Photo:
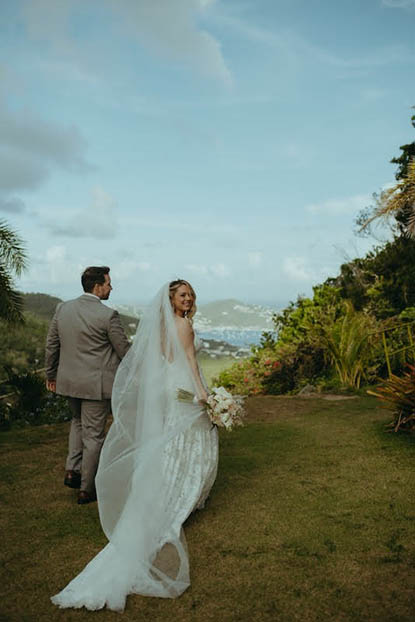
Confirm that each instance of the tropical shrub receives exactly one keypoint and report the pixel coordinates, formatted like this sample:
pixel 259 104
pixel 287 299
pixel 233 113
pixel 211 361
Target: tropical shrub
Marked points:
pixel 246 377
pixel 30 402
pixel 399 334
pixel 350 343
pixel 382 283
pixel 322 341
pixel 399 392
pixel 22 346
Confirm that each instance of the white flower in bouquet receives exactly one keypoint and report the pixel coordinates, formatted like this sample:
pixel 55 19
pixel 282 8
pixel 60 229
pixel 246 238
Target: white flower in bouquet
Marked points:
pixel 224 409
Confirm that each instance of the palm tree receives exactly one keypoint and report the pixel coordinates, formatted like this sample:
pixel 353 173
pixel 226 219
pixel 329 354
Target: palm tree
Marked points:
pixel 398 201
pixel 13 261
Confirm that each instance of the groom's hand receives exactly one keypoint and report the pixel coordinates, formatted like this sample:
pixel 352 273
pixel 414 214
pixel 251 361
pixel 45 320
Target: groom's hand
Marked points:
pixel 51 385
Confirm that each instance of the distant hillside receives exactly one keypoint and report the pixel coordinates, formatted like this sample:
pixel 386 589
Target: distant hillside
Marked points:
pixel 43 307
pixel 233 314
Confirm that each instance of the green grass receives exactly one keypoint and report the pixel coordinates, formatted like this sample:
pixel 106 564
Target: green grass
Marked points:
pixel 212 367
pixel 312 518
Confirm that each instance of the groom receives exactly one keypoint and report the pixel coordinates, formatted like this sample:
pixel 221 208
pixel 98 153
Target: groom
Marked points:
pixel 84 347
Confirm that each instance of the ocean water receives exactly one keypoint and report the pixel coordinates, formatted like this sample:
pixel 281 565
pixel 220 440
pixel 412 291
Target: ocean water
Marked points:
pixel 242 338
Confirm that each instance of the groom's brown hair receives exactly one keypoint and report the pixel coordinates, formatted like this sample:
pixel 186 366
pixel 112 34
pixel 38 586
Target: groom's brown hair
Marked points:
pixel 92 276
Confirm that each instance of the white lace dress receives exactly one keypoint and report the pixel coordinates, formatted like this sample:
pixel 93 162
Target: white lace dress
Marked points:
pixel 188 470
pixel 191 462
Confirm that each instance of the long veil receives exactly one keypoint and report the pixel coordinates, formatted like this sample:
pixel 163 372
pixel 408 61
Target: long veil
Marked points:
pixel 145 555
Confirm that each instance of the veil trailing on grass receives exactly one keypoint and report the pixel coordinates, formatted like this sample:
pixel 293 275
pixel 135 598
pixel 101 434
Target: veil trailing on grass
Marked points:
pixel 146 553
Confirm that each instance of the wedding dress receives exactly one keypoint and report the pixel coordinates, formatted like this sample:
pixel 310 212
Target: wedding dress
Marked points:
pixel 158 464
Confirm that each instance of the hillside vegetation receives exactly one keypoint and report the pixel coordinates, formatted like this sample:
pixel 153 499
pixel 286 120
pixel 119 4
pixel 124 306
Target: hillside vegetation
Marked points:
pixel 333 340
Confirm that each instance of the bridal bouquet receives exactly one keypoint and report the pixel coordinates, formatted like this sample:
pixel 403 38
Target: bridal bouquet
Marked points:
pixel 224 409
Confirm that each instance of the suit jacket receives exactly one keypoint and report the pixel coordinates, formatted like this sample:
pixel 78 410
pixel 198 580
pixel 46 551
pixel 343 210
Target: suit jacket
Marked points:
pixel 84 347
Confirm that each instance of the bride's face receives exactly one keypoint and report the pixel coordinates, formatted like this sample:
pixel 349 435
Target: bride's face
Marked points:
pixel 182 300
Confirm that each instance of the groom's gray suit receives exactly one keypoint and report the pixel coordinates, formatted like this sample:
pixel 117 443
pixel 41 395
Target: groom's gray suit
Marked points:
pixel 84 347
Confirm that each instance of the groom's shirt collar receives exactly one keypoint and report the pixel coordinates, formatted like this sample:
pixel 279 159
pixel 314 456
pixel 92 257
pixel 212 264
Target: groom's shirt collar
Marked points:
pixel 93 295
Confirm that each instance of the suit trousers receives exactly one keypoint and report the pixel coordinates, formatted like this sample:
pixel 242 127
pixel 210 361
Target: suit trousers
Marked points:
pixel 86 437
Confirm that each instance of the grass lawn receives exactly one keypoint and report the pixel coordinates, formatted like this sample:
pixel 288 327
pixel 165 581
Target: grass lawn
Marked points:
pixel 212 367
pixel 312 518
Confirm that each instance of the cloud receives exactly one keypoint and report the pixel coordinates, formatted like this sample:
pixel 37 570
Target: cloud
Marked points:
pixel 218 229
pixel 55 253
pixel 58 269
pixel 20 172
pixel 197 269
pixel 296 268
pixel 169 29
pixel 12 205
pixel 32 136
pixel 98 220
pixel 31 148
pixel 127 268
pixel 255 259
pixel 373 94
pixel 348 205
pixel 293 47
pixel 57 13
pixel 218 270
pixel 399 4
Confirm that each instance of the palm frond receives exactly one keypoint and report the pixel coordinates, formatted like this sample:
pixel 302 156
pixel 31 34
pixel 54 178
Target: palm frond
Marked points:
pixel 11 302
pixel 399 393
pixel 12 250
pixel 410 224
pixel 397 199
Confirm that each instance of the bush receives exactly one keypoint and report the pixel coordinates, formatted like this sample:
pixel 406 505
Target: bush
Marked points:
pixel 400 394
pixel 322 345
pixel 5 420
pixel 263 372
pixel 242 378
pixel 292 367
pixel 397 340
pixel 31 403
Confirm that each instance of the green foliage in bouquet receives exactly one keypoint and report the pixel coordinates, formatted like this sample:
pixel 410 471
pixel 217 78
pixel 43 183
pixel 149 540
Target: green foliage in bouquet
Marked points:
pixel 399 393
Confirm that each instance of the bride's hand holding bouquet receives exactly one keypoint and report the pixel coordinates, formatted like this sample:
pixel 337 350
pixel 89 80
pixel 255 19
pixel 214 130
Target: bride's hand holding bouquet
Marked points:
pixel 224 409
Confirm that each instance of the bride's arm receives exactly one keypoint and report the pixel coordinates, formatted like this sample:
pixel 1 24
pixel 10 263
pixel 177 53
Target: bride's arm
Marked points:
pixel 186 336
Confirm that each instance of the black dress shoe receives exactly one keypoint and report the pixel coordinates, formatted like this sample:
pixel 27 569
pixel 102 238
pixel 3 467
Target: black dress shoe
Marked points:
pixel 86 497
pixel 72 479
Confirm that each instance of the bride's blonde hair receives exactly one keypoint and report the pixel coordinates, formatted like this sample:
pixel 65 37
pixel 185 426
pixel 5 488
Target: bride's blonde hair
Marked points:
pixel 174 286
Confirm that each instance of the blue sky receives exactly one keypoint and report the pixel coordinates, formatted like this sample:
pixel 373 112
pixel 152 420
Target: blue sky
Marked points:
pixel 231 142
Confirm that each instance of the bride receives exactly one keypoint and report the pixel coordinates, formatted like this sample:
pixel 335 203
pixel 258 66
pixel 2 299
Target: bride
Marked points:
pixel 157 465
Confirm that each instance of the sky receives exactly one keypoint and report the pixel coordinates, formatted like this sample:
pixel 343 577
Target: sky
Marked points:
pixel 230 142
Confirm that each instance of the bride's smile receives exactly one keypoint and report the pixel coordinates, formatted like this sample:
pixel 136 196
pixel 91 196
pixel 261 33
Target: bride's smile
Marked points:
pixel 183 300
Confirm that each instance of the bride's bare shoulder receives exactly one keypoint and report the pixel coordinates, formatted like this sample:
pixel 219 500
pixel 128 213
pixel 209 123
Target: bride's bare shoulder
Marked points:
pixel 184 326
